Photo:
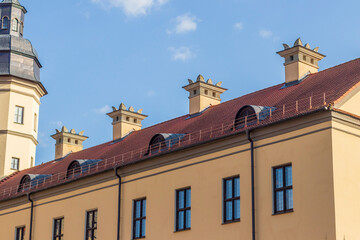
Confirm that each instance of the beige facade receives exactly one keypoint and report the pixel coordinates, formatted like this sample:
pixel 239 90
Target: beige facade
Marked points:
pixel 15 92
pixel 324 179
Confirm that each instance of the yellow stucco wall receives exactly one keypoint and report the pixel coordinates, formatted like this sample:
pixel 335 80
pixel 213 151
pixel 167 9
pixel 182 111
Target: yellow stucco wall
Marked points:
pixel 306 143
pixel 352 104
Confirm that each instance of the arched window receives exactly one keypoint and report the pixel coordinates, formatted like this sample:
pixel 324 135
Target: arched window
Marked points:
pixel 246 115
pixel 22 28
pixel 15 25
pixel 24 183
pixel 5 23
pixel 157 144
pixel 73 170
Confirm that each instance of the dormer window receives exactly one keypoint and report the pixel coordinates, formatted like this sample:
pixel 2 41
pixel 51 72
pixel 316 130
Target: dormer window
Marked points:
pixel 245 116
pixel 24 183
pixel 15 25
pixel 164 141
pixel 73 170
pixel 5 23
pixel 157 144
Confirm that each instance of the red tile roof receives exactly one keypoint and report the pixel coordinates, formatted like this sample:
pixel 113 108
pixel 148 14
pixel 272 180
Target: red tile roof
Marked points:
pixel 325 87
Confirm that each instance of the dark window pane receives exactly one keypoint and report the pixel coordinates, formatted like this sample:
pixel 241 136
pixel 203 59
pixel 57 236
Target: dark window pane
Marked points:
pixel 188 197
pixel 229 211
pixel 289 199
pixel 237 209
pixel 279 178
pixel 237 187
pixel 280 201
pixel 137 209
pixel 288 176
pixel 181 220
pixel 181 199
pixel 144 208
pixel 188 218
pixel 143 228
pixel 228 190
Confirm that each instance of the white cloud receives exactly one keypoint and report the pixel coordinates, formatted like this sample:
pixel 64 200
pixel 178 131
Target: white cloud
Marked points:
pixel 181 53
pixel 103 110
pixel 150 93
pixel 57 124
pixel 131 7
pixel 184 23
pixel 265 33
pixel 239 26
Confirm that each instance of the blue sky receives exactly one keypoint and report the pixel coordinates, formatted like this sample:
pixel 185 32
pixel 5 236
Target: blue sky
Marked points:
pixel 99 53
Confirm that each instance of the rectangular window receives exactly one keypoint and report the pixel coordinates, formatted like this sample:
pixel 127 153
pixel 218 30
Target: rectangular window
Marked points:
pixel 283 189
pixel 58 229
pixel 91 225
pixel 232 199
pixel 139 218
pixel 183 209
pixel 20 233
pixel 15 163
pixel 19 115
pixel 35 122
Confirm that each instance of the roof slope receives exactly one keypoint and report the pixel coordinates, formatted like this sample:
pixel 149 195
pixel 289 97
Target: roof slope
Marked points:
pixel 307 96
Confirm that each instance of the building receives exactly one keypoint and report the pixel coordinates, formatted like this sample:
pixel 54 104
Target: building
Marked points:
pixel 280 163
pixel 20 91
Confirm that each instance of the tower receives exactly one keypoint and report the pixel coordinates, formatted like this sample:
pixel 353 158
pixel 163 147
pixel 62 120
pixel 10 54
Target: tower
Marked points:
pixel 203 94
pixel 300 60
pixel 20 91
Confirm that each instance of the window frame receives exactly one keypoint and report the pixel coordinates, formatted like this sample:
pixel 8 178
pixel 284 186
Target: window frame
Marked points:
pixel 17 115
pixel 35 122
pixel 141 218
pixel 283 189
pixel 184 209
pixel 232 199
pixel 18 230
pixel 17 165
pixel 60 234
pixel 15 25
pixel 92 228
pixel 3 27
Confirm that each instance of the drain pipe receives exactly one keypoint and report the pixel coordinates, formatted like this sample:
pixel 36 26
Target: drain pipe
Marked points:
pixel 252 183
pixel 31 215
pixel 119 203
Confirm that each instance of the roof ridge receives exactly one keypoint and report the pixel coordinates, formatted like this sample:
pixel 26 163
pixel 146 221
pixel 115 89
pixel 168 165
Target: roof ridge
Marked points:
pixel 353 60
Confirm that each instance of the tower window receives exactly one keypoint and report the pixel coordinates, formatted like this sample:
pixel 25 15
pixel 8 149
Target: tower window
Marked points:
pixel 69 140
pixel 15 163
pixel 15 25
pixel 206 92
pixel 312 61
pixel 195 92
pixel 21 28
pixel 214 94
pixel 304 58
pixel 35 122
pixel 135 120
pixel 76 142
pixel 5 23
pixel 59 140
pixel 117 118
pixel 19 115
pixel 291 58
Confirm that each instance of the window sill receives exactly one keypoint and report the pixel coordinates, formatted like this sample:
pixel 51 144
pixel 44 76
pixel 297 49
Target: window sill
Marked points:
pixel 14 169
pixel 19 123
pixel 182 230
pixel 229 222
pixel 284 212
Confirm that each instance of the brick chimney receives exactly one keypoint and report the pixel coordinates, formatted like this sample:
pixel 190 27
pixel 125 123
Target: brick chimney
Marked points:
pixel 125 121
pixel 203 94
pixel 300 60
pixel 68 142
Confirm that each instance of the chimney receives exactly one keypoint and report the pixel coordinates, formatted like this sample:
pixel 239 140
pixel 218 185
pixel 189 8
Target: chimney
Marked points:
pixel 203 94
pixel 125 121
pixel 68 142
pixel 300 60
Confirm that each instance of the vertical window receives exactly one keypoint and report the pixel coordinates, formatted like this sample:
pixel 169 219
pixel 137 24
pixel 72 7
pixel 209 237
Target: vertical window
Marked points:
pixel 5 23
pixel 139 218
pixel 283 189
pixel 58 229
pixel 21 28
pixel 232 199
pixel 19 115
pixel 20 233
pixel 183 209
pixel 31 162
pixel 15 25
pixel 15 163
pixel 91 225
pixel 35 122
